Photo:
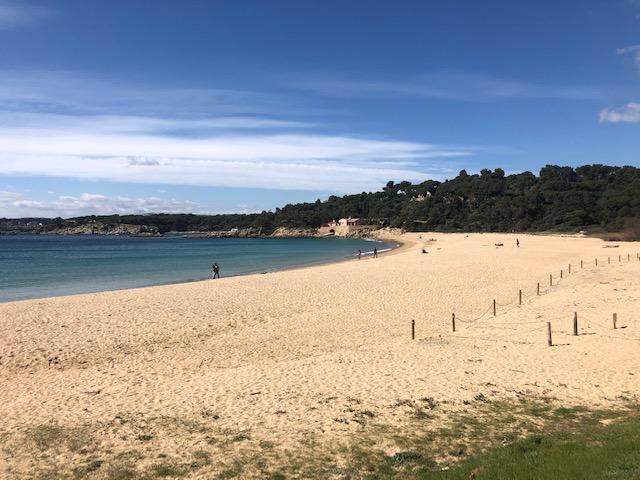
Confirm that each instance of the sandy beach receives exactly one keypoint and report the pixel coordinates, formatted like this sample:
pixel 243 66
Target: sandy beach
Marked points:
pixel 298 360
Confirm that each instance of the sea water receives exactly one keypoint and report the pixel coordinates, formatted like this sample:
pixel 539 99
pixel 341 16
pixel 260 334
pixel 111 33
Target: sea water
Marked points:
pixel 36 266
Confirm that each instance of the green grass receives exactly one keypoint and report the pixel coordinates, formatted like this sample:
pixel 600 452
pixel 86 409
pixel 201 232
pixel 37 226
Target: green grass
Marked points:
pixel 573 445
pixel 599 452
pixel 167 470
pixel 529 438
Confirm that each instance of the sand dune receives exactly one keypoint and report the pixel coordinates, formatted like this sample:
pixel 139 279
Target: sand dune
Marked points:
pixel 294 357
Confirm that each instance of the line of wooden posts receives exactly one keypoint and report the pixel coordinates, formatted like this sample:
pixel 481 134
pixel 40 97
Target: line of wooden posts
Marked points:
pixel 575 327
pixel 549 336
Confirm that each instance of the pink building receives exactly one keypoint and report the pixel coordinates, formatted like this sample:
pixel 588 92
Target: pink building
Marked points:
pixel 345 222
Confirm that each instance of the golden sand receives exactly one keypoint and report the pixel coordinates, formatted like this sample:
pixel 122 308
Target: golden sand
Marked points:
pixel 284 357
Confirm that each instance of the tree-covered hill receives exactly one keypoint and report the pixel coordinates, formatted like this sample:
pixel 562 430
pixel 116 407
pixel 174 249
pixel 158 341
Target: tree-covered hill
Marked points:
pixel 558 199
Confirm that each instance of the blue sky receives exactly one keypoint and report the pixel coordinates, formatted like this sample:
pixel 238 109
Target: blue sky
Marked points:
pixel 240 106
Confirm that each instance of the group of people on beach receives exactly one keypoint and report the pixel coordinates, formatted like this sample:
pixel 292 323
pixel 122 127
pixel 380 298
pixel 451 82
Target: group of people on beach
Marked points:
pixel 215 268
pixel 359 254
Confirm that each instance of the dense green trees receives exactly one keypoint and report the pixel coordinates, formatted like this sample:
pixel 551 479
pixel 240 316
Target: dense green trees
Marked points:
pixel 559 199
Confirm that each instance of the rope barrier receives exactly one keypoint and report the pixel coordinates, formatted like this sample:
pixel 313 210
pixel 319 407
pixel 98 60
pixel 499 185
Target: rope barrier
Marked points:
pixel 502 337
pixel 616 334
pixel 554 282
pixel 514 323
pixel 475 319
pixel 483 339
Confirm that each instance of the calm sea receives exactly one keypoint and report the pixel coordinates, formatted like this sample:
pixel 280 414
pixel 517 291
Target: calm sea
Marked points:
pixel 33 266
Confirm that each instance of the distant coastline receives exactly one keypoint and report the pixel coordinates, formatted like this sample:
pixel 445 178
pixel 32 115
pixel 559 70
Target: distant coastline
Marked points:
pixel 131 230
pixel 592 198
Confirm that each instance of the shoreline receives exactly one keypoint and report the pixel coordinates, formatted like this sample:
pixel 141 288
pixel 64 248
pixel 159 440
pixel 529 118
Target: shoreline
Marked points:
pixel 394 242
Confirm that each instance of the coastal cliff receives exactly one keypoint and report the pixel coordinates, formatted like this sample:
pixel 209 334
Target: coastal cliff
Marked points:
pixel 106 228
pixel 285 232
pixel 99 228
pixel 280 232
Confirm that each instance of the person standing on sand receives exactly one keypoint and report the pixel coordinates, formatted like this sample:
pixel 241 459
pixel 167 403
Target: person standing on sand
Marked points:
pixel 359 254
pixel 375 253
pixel 517 243
pixel 215 268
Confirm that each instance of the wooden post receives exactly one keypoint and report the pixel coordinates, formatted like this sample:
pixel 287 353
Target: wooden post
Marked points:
pixel 549 341
pixel 615 321
pixel 608 259
pixel 619 258
pixel 538 288
pixel 581 264
pixel 494 307
pixel 575 323
pixel 520 297
pixel 413 329
pixel 628 257
pixel 596 262
pixel 569 268
pixel 550 280
pixel 453 321
pixel 560 273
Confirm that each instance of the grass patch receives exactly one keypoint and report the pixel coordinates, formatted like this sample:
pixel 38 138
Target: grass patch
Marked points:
pixel 476 444
pixel 491 438
pixel 597 452
pixel 121 472
pixel 44 437
pixel 54 437
pixel 570 412
pixel 163 470
pixel 87 468
pixel 500 440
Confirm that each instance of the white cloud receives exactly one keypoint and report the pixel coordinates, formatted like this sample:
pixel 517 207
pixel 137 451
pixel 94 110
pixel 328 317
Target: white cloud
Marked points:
pixel 15 14
pixel 630 113
pixel 634 51
pixel 102 131
pixel 104 148
pixel 14 205
pixel 448 86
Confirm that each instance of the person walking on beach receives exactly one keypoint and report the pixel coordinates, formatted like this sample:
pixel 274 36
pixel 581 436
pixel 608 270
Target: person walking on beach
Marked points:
pixel 359 254
pixel 215 269
pixel 517 243
pixel 375 253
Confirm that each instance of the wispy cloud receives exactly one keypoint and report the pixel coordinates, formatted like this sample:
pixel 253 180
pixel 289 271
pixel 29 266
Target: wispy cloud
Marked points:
pixel 144 124
pixel 629 113
pixel 634 51
pixel 71 93
pixel 13 205
pixel 471 87
pixel 14 14
pixel 282 161
pixel 119 133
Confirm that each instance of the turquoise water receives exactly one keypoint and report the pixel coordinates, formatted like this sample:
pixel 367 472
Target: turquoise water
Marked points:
pixel 33 266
